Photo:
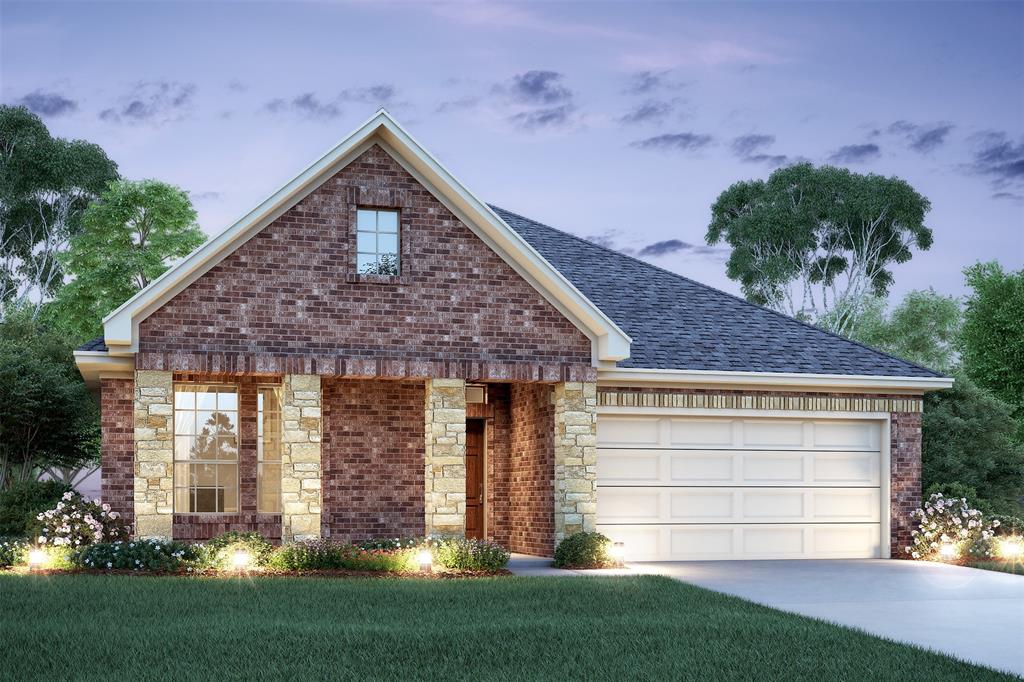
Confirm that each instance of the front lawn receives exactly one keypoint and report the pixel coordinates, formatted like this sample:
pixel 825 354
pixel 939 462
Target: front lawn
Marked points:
pixel 145 628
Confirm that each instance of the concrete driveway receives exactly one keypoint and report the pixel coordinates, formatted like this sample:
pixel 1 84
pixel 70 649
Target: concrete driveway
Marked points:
pixel 971 614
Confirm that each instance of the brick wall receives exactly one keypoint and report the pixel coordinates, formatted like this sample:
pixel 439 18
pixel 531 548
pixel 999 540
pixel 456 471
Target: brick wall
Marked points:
pixel 905 492
pixel 499 428
pixel 117 459
pixel 289 301
pixel 373 451
pixel 531 470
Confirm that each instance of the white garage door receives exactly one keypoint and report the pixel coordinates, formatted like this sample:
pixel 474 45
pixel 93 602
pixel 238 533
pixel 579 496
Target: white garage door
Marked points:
pixel 690 488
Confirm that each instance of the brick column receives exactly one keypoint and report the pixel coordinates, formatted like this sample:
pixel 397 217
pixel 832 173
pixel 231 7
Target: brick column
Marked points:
pixel 575 485
pixel 154 454
pixel 905 493
pixel 445 457
pixel 300 458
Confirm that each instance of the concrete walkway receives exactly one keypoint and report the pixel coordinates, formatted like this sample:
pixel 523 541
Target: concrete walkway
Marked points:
pixel 971 614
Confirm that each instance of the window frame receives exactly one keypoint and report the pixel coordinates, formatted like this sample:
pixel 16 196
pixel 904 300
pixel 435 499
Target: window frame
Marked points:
pixel 376 232
pixel 218 387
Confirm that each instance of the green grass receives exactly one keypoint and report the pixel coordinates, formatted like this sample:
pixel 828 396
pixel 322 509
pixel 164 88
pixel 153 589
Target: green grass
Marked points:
pixel 1016 567
pixel 139 628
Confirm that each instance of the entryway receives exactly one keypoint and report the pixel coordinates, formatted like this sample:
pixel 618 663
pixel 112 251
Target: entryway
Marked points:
pixel 475 478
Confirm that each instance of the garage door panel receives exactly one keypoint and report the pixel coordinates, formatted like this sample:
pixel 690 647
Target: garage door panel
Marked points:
pixel 772 433
pixel 750 541
pixel 772 468
pixel 701 433
pixel 847 468
pixel 628 431
pixel 845 435
pixel 630 467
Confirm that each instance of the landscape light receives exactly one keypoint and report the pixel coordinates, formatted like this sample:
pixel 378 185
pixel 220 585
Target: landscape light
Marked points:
pixel 948 551
pixel 617 552
pixel 36 559
pixel 1011 547
pixel 426 560
pixel 241 560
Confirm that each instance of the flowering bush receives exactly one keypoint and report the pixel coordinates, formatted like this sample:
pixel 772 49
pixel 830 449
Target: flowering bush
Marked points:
pixel 141 555
pixel 952 523
pixel 76 522
pixel 221 549
pixel 471 554
pixel 310 555
pixel 12 552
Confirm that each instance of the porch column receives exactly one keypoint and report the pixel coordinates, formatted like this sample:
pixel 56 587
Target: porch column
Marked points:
pixel 445 475
pixel 154 454
pixel 575 458
pixel 300 458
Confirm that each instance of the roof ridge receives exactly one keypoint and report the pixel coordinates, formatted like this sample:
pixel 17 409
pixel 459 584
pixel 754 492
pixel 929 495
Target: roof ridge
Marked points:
pixel 719 291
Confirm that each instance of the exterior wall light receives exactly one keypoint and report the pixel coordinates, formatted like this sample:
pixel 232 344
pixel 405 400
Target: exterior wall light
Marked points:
pixel 426 560
pixel 1011 548
pixel 241 560
pixel 36 559
pixel 617 552
pixel 948 551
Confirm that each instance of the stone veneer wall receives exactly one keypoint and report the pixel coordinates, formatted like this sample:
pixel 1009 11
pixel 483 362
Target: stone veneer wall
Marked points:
pixel 117 446
pixel 154 454
pixel 445 457
pixel 300 458
pixel 575 449
pixel 527 484
pixel 372 459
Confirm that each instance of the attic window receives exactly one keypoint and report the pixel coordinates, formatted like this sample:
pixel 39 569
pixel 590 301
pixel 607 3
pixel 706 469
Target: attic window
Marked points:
pixel 376 242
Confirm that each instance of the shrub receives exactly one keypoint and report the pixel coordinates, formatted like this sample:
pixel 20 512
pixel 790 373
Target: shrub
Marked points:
pixel 311 555
pixel 950 521
pixel 75 522
pixel 220 550
pixel 391 543
pixel 583 550
pixel 386 560
pixel 154 555
pixel 22 502
pixel 470 554
pixel 12 552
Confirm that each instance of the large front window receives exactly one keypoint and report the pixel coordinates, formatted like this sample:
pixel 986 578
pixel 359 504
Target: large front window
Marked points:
pixel 205 448
pixel 377 242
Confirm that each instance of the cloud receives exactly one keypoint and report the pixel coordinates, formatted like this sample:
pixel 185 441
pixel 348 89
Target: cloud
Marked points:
pixel 651 111
pixel 668 246
pixel 552 117
pixel 204 196
pixel 921 139
pixel 235 85
pixel 856 153
pixel 750 149
pixel 997 157
pixel 645 82
pixel 467 102
pixel 152 102
pixel 686 142
pixel 307 105
pixel 381 94
pixel 48 104
pixel 1009 196
pixel 538 88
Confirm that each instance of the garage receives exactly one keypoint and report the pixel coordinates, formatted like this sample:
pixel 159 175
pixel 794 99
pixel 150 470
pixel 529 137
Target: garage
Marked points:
pixel 684 488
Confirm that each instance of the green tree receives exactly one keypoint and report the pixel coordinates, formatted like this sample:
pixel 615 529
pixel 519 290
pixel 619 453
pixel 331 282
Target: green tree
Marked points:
pixel 968 438
pixel 992 340
pixel 45 185
pixel 813 241
pixel 127 239
pixel 924 328
pixel 48 420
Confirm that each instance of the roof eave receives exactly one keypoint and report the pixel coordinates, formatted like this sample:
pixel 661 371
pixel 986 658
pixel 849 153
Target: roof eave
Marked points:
pixel 619 376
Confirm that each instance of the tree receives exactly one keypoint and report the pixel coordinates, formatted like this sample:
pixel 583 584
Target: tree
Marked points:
pixel 127 239
pixel 992 341
pixel 48 419
pixel 45 185
pixel 968 438
pixel 924 328
pixel 813 241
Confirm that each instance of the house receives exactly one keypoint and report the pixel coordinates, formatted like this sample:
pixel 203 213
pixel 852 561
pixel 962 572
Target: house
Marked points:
pixel 373 351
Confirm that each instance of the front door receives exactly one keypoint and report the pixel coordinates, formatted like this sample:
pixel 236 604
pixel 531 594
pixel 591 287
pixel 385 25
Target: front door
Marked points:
pixel 474 478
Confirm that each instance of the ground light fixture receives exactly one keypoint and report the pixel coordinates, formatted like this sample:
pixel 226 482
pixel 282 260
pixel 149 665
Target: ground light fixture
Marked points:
pixel 426 560
pixel 241 560
pixel 36 559
pixel 948 551
pixel 618 553
pixel 1011 548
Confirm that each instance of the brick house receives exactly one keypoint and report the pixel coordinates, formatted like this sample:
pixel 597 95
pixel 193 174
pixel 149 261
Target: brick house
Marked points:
pixel 373 351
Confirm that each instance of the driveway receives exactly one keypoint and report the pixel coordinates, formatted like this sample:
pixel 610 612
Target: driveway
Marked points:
pixel 971 614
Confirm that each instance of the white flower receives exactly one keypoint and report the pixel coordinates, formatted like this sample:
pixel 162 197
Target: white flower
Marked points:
pixel 110 565
pixel 916 555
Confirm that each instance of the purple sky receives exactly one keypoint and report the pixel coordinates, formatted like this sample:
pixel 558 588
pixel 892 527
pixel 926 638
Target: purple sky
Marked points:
pixel 618 121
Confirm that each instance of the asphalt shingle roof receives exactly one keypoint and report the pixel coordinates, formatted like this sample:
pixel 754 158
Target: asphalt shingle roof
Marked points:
pixel 96 344
pixel 677 323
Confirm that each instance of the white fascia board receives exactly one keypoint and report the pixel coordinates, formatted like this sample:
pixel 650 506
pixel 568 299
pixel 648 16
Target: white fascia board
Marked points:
pixel 609 341
pixel 787 381
pixel 95 365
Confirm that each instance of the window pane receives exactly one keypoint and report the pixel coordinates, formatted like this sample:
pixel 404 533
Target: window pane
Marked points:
pixel 387 264
pixel 366 220
pixel 387 243
pixel 366 242
pixel 184 422
pixel 227 402
pixel 269 489
pixel 207 499
pixel 366 263
pixel 184 399
pixel 387 221
pixel 204 399
pixel 183 447
pixel 182 500
pixel 182 477
pixel 230 500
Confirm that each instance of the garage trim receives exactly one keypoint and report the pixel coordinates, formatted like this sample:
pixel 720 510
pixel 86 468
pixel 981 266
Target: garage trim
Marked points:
pixel 883 418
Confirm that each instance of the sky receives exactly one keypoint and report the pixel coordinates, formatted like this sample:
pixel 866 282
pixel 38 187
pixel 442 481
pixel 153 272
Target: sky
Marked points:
pixel 620 122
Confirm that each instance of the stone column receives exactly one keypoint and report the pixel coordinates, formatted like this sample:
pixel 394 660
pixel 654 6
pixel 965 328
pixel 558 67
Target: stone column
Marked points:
pixel 300 458
pixel 154 454
pixel 445 477
pixel 575 458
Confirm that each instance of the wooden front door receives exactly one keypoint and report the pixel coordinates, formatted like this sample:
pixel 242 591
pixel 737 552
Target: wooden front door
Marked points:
pixel 474 478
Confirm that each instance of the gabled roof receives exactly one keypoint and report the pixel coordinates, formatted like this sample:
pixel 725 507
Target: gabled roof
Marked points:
pixel 679 324
pixel 120 328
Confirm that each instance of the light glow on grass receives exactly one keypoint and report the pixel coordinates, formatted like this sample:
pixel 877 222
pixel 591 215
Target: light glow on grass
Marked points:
pixel 948 551
pixel 425 559
pixel 37 558
pixel 1011 548
pixel 241 560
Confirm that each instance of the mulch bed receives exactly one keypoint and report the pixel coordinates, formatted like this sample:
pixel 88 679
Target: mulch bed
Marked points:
pixel 440 574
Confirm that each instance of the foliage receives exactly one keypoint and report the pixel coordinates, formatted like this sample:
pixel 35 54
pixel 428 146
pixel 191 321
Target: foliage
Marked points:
pixel 968 438
pixel 221 549
pixel 309 555
pixel 45 185
pixel 127 239
pixel 583 550
pixel 48 418
pixel 388 561
pixel 950 521
pixel 154 555
pixel 992 340
pixel 12 551
pixel 75 521
pixel 470 554
pixel 809 241
pixel 924 328
pixel 23 501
